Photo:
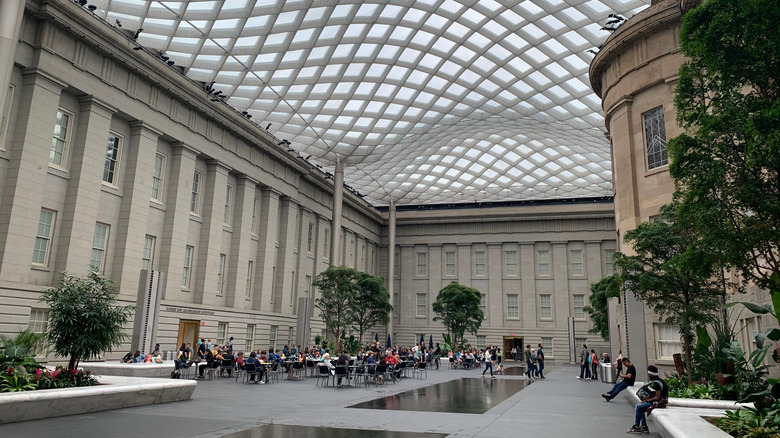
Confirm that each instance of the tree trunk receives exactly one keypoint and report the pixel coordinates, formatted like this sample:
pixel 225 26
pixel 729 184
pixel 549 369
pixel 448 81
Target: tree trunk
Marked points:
pixel 687 351
pixel 74 360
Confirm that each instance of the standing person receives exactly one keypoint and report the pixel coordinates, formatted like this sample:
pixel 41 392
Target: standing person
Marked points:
pixel 584 368
pixel 540 362
pixel 529 362
pixel 629 377
pixel 594 364
pixel 658 397
pixel 514 353
pixel 489 362
pixel 498 355
pixel 229 345
pixel 436 355
pixel 619 362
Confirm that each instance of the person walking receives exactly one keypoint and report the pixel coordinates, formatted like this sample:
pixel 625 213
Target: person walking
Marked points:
pixel 540 362
pixel 514 353
pixel 584 368
pixel 594 365
pixel 489 355
pixel 529 363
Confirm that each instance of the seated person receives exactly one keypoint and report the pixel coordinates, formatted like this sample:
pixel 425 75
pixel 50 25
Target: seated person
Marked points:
pixel 128 357
pixel 500 369
pixel 138 357
pixel 156 351
pixel 202 367
pixel 259 368
pixel 240 360
pixel 629 377
pixel 659 397
pixel 343 360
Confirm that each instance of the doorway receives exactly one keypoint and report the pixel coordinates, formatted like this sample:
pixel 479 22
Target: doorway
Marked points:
pixel 512 342
pixel 188 332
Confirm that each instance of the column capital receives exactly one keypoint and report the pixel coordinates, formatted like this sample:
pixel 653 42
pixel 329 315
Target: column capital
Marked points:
pixel 218 165
pixel 270 191
pixel 184 149
pixel 33 74
pixel 139 126
pixel 247 180
pixel 88 99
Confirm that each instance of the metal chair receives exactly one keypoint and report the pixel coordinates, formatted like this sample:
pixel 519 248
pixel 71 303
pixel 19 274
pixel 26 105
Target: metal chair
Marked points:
pixel 323 373
pixel 297 371
pixel 422 368
pixel 274 372
pixel 342 373
pixel 250 370
pixel 453 364
pixel 226 365
pixel 213 369
pixel 311 367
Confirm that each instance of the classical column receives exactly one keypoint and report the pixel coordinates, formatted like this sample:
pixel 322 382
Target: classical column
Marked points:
pixel 136 192
pixel 177 221
pixel 391 260
pixel 85 175
pixel 338 199
pixel 266 249
pixel 23 191
pixel 236 294
pixel 528 298
pixel 212 214
pixel 11 13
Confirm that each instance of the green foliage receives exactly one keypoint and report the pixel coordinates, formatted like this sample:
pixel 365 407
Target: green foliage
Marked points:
pixel 20 350
pixel 84 320
pixel 457 307
pixel 317 340
pixel 674 275
pixel 351 344
pixel 370 305
pixel 679 388
pixel 726 165
pixel 18 379
pixel 762 421
pixel 600 293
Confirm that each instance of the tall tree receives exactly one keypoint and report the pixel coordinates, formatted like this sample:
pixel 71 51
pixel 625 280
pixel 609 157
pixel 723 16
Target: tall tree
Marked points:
pixel 370 305
pixel 673 275
pixel 457 307
pixel 726 165
pixel 600 293
pixel 338 287
pixel 84 319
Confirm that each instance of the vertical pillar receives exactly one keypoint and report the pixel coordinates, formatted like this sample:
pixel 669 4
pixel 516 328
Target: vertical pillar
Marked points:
pixel 495 288
pixel 338 199
pixel 23 191
pixel 131 230
pixel 391 260
pixel 177 222
pixel 235 289
pixel 11 13
pixel 561 298
pixel 266 249
pixel 285 287
pixel 464 264
pixel 82 198
pixel 212 214
pixel 529 317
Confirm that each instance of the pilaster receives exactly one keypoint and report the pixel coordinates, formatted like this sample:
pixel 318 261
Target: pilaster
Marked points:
pixel 236 294
pixel 285 289
pixel 212 214
pixel 266 249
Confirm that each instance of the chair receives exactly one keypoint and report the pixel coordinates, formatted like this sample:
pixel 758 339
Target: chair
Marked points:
pixel 422 367
pixel 297 371
pixel 342 372
pixel 274 372
pixel 250 370
pixel 311 367
pixel 389 373
pixel 226 365
pixel 323 373
pixel 380 373
pixel 213 369
pixel 362 374
pixel 453 364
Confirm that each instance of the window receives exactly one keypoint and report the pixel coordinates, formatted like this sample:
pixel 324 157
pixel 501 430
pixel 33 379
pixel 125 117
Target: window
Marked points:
pixel 307 286
pixel 310 237
pixel 250 337
pixel 547 345
pixel 578 343
pixel 148 255
pixel 751 330
pixel 579 303
pixel 667 341
pixel 290 338
pixel 396 305
pixel 157 177
pixel 43 237
pixel 576 262
pixel 221 272
pixel 512 306
pixel 510 258
pixel 421 305
pixel 222 329
pixel 543 258
pixel 189 253
pixel 272 336
pixel 99 244
pixel 479 263
pixel 58 155
pixel 228 216
pixel 481 342
pixel 609 262
pixel 655 138
pixel 545 307
pixel 325 243
pixel 5 116
pixel 482 304
pixel 256 216
pixel 39 324
pixel 250 272
pixel 449 263
pixel 422 264
pixel 197 179
pixel 111 167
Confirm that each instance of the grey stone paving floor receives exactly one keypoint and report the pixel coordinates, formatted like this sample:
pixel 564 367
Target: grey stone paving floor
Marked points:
pixel 558 406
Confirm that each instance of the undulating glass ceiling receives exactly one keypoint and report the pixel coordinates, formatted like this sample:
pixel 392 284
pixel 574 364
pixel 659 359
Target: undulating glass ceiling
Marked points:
pixel 427 102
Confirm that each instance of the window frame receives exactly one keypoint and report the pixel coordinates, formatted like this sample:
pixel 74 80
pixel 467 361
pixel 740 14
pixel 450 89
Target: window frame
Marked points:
pixel 449 265
pixel 255 216
pixel 222 331
pixel 483 305
pixel 119 142
pixel 158 181
pixel 221 266
pixel 38 322
pixel 543 262
pixel 514 271
pixel 658 331
pixel 576 262
pixel 421 306
pixel 651 150
pixel 310 236
pixel 579 312
pixel 516 306
pixel 422 264
pixel 273 333
pixel 480 266
pixel 102 250
pixel 543 307
pixel 227 218
pixel 197 183
pixel 609 262
pixel 5 116
pixel 47 239
pixel 249 341
pixel 66 139
pixel 250 274
pixel 147 256
pixel 186 272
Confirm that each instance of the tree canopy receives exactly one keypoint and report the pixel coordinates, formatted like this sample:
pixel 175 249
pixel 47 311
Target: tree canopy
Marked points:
pixel 726 165
pixel 84 319
pixel 457 307
pixel 370 305
pixel 601 292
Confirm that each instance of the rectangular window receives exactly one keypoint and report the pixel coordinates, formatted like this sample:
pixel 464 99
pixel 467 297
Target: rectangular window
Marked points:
pixel 545 307
pixel 250 273
pixel 422 264
pixel 483 304
pixel 481 342
pixel 512 306
pixel 99 245
pixel 667 341
pixel 256 216
pixel 189 253
pixel 158 175
pixel 579 304
pixel 272 336
pixel 221 272
pixel 576 262
pixel 197 179
pixel 58 155
pixel 222 329
pixel 543 258
pixel 310 237
pixel 751 329
pixel 307 286
pixel 228 216
pixel 421 305
pixel 39 324
pixel 479 263
pixel 609 262
pixel 111 166
pixel 250 337
pixel 449 263
pixel 547 345
pixel 43 238
pixel 655 138
pixel 148 256
pixel 5 116
pixel 578 343
pixel 325 243
pixel 510 258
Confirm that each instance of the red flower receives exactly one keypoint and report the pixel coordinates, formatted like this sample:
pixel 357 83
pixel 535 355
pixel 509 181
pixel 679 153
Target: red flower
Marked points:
pixel 10 370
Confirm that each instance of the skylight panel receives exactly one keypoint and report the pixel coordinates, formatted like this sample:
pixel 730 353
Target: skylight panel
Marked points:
pixel 341 12
pixel 256 23
pixel 377 71
pixel 443 46
pixel 366 10
pixel 400 35
pixel 387 91
pixel 329 35
pixel 388 54
pixel 552 22
pixel 556 70
pixel 343 53
pixel 314 15
pixel 413 17
pixel 597 6
pixel 555 47
pixel 225 25
pixel 304 36
pixel 355 31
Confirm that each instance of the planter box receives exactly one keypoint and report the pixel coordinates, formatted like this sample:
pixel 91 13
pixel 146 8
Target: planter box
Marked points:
pixel 112 393
pixel 130 369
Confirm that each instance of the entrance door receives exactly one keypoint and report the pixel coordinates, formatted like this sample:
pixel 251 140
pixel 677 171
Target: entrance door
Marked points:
pixel 188 332
pixel 509 342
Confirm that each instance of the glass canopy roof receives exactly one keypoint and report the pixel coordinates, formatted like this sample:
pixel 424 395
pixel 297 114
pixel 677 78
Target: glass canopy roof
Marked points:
pixel 427 102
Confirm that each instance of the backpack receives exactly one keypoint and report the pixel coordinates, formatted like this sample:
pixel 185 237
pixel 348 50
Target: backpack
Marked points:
pixel 647 389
